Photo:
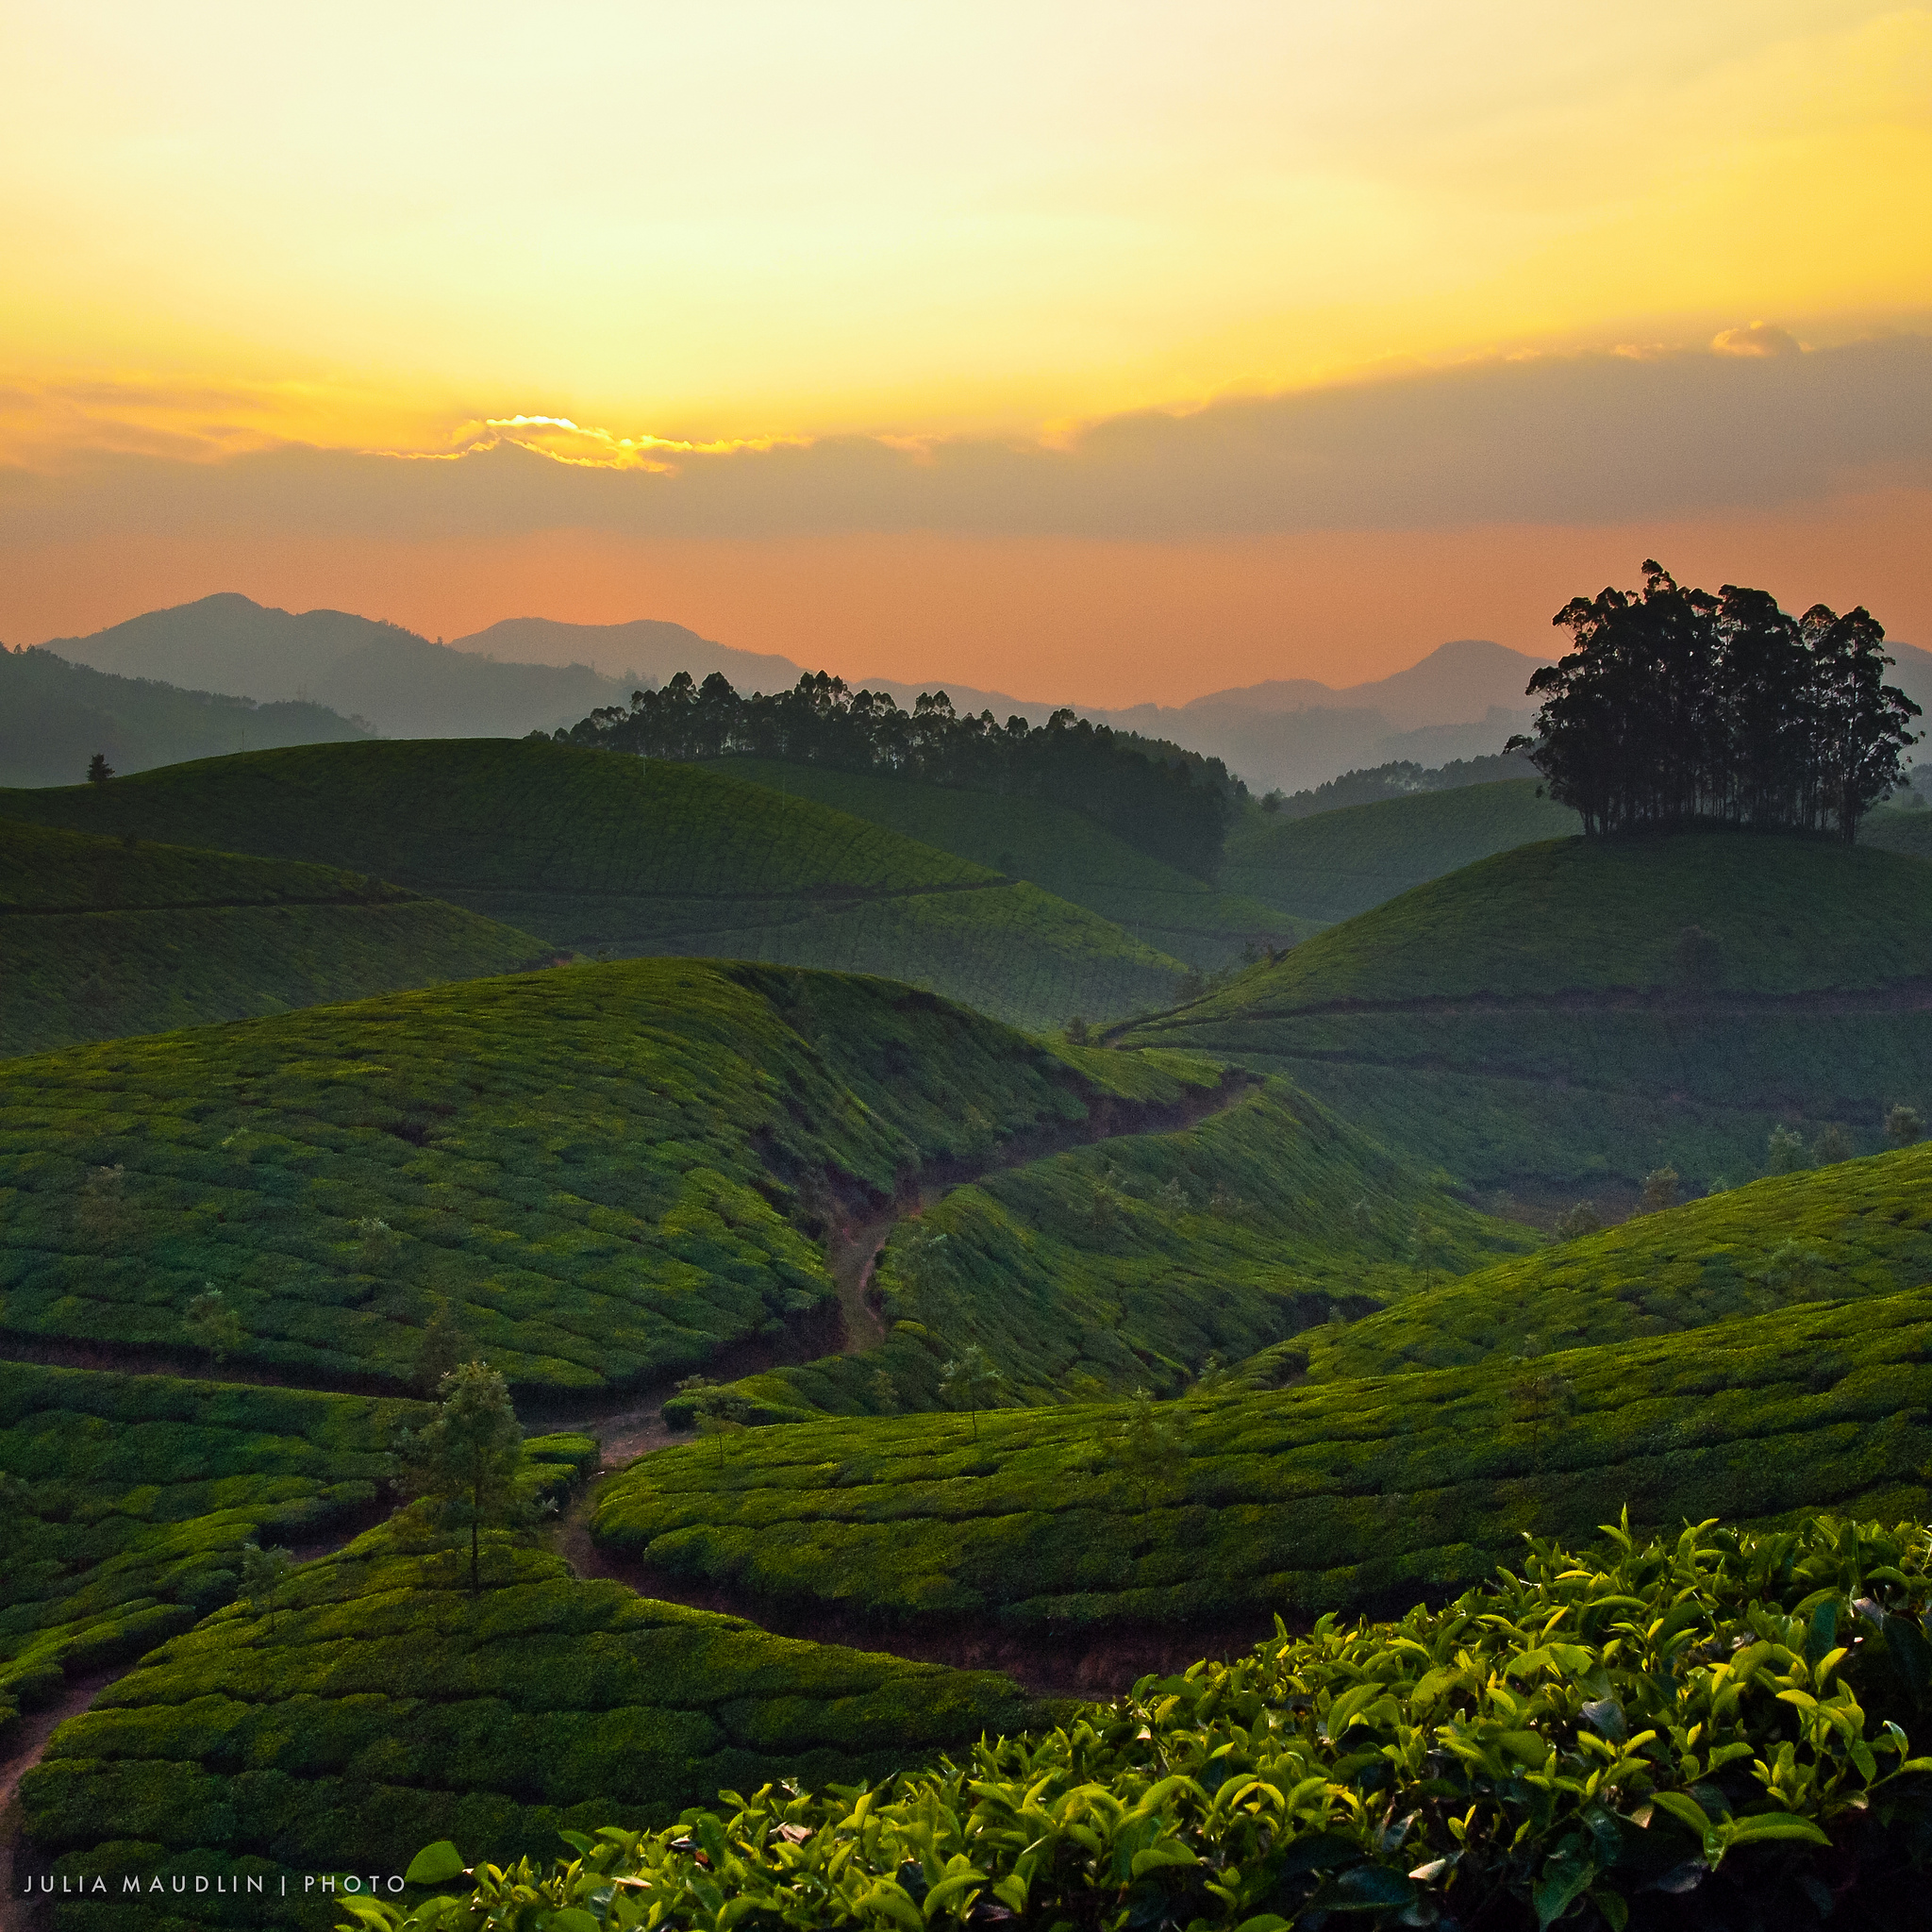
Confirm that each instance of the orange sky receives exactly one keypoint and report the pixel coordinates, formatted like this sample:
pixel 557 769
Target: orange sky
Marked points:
pixel 956 334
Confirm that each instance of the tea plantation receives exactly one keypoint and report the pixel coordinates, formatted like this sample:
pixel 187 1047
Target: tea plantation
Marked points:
pixel 131 1496
pixel 1853 1229
pixel 1577 1013
pixel 1335 864
pixel 599 852
pixel 1133 1263
pixel 610 1173
pixel 372 1704
pixel 1061 851
pixel 1341 1497
pixel 100 938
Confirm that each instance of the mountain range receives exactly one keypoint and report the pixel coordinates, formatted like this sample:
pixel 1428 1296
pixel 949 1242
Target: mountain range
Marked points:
pixel 1461 700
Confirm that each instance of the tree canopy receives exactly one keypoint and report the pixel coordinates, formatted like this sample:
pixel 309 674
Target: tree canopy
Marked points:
pixel 1677 707
pixel 1172 807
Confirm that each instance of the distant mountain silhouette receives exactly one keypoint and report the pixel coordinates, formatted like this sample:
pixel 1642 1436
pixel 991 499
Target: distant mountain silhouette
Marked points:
pixel 402 684
pixel 647 649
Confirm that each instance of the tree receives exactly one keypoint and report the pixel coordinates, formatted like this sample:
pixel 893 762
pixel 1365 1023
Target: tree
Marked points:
pixel 716 1411
pixel 1832 1146
pixel 440 1349
pixel 1784 1150
pixel 971 1377
pixel 1428 1247
pixel 1793 1272
pixel 1902 1126
pixel 1660 1190
pixel 1148 1445
pixel 99 770
pixel 885 1392
pixel 262 1573
pixel 1077 1029
pixel 466 1459
pixel 1538 1396
pixel 1574 1222
pixel 212 1324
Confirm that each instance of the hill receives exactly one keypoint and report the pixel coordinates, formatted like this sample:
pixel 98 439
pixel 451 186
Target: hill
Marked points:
pixel 1334 864
pixel 1839 1233
pixel 374 1705
pixel 1059 850
pixel 1136 1263
pixel 1893 829
pixel 611 1175
pixel 100 938
pixel 600 853
pixel 1220 1511
pixel 54 716
pixel 1572 1014
pixel 407 686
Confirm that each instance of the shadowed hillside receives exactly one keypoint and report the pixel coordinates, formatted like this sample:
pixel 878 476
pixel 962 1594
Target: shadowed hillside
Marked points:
pixel 599 852
pixel 101 938
pixel 1573 1014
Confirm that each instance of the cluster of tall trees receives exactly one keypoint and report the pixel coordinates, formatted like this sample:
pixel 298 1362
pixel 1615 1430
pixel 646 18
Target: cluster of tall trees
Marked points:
pixel 1169 808
pixel 1676 707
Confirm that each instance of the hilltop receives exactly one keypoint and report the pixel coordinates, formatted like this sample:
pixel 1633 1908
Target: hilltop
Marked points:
pixel 102 937
pixel 1057 848
pixel 601 853
pixel 1575 1013
pixel 609 1174
pixel 1333 864
pixel 54 716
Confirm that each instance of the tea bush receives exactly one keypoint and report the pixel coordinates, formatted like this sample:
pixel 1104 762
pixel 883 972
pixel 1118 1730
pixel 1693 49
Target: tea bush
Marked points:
pixel 1344 1497
pixel 1588 1737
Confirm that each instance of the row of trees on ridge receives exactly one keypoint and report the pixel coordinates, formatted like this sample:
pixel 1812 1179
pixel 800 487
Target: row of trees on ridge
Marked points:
pixel 1678 707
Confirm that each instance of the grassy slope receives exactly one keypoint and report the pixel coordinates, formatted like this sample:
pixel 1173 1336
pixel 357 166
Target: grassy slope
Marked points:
pixel 383 1707
pixel 1111 1267
pixel 595 1165
pixel 1524 1021
pixel 1897 830
pixel 1060 851
pixel 596 852
pixel 1337 863
pixel 142 1490
pixel 99 940
pixel 1341 1496
pixel 1858 1228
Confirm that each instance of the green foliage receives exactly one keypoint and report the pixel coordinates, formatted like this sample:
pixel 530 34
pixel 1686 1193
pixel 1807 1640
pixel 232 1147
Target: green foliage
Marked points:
pixel 604 854
pixel 264 1573
pixel 103 937
pixel 1525 1020
pixel 131 1502
pixel 592 1167
pixel 384 1707
pixel 1701 1712
pixel 1904 1125
pixel 214 1325
pixel 1857 1230
pixel 970 1382
pixel 1062 851
pixel 1784 1151
pixel 1574 1222
pixel 1339 863
pixel 1339 1495
pixel 465 1460
pixel 1660 1187
pixel 1103 1269
pixel 443 1347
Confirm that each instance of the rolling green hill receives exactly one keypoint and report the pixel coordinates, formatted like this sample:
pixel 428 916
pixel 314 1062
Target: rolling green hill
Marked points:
pixel 1061 851
pixel 1854 1229
pixel 100 939
pixel 611 1173
pixel 1344 1497
pixel 1567 1016
pixel 1895 829
pixel 1337 863
pixel 597 852
pixel 374 1705
pixel 1132 1263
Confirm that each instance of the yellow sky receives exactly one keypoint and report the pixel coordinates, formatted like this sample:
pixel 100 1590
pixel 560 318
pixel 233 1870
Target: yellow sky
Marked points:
pixel 369 225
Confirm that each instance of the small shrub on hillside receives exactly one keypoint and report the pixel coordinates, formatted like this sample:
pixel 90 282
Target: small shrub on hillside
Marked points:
pixel 1784 1150
pixel 1902 1126
pixel 1718 1713
pixel 1077 1030
pixel 1832 1146
pixel 212 1324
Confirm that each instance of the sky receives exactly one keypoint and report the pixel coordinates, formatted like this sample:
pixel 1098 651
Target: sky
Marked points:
pixel 1106 352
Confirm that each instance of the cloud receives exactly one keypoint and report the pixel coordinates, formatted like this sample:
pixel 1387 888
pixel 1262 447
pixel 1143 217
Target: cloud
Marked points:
pixel 1550 439
pixel 1761 338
